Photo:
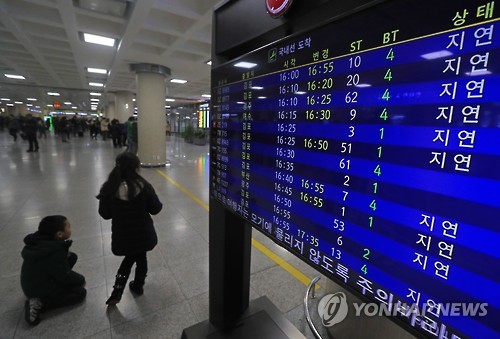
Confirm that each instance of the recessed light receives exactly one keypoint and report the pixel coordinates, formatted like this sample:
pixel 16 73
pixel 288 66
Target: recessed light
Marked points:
pixel 244 64
pixel 178 81
pixel 96 84
pixel 436 55
pixel 97 70
pixel 98 39
pixel 15 76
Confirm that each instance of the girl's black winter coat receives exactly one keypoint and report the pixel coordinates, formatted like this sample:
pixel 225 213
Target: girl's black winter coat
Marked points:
pixel 132 228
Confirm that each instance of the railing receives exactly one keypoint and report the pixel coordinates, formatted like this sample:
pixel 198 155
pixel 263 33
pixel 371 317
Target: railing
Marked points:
pixel 311 289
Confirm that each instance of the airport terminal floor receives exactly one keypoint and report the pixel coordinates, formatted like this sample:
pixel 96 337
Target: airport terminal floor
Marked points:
pixel 64 178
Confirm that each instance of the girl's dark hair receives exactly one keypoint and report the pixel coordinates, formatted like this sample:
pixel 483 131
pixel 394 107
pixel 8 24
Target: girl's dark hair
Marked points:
pixel 52 224
pixel 126 168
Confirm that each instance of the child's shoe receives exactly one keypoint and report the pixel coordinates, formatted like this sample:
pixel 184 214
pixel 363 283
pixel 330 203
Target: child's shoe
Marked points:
pixel 136 287
pixel 32 309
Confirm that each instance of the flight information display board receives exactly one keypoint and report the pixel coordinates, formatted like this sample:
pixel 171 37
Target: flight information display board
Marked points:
pixel 370 148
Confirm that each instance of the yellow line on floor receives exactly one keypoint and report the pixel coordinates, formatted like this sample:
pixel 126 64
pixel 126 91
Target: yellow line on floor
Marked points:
pixel 255 243
pixel 185 191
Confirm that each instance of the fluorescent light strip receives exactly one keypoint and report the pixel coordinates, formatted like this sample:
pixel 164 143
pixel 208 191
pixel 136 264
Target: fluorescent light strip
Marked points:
pixel 15 76
pixel 97 70
pixel 96 84
pixel 31 99
pixel 96 94
pixel 178 81
pixel 206 95
pixel 98 39
pixel 55 94
pixel 168 99
pixel 436 55
pixel 244 64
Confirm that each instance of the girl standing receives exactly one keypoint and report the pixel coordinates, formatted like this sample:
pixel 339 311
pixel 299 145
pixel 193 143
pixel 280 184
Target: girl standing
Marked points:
pixel 129 200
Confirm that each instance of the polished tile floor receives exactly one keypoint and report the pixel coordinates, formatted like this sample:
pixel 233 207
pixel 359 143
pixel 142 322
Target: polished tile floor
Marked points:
pixel 63 178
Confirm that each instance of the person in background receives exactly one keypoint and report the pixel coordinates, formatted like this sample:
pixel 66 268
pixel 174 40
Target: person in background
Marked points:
pixel 104 128
pixel 14 127
pixel 132 137
pixel 168 128
pixel 30 128
pixel 129 200
pixel 42 129
pixel 116 133
pixel 47 278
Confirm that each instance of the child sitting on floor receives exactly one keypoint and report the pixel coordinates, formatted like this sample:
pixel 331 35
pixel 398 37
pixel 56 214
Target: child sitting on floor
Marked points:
pixel 47 278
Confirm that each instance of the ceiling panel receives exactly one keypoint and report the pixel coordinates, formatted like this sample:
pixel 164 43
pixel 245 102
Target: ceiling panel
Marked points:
pixel 42 40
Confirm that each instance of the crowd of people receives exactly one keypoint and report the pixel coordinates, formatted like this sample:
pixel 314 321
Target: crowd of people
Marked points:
pixel 33 128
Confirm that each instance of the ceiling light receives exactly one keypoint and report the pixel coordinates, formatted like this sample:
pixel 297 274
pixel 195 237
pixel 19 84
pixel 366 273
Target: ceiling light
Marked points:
pixel 206 95
pixel 168 106
pixel 178 81
pixel 257 87
pixel 96 84
pixel 133 99
pixel 18 102
pixel 10 104
pixel 50 105
pixel 31 99
pixel 67 103
pixel 436 55
pixel 74 107
pixel 209 62
pixel 97 39
pixel 244 64
pixel 5 99
pixel 15 76
pixel 55 94
pixel 97 70
pixel 95 94
pixel 29 105
pixel 168 99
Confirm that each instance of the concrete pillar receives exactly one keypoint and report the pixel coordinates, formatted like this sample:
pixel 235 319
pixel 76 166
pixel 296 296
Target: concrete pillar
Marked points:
pixel 124 105
pixel 151 89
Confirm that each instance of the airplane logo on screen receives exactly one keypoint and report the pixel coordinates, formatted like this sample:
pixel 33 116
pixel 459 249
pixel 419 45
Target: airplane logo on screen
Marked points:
pixel 276 8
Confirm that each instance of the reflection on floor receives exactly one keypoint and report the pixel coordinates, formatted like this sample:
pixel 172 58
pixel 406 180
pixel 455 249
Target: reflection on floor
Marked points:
pixel 63 178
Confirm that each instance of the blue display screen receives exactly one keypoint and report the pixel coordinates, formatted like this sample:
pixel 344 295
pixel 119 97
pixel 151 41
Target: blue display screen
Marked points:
pixel 370 148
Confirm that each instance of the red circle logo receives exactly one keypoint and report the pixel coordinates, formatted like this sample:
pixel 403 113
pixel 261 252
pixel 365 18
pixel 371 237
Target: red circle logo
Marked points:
pixel 276 8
